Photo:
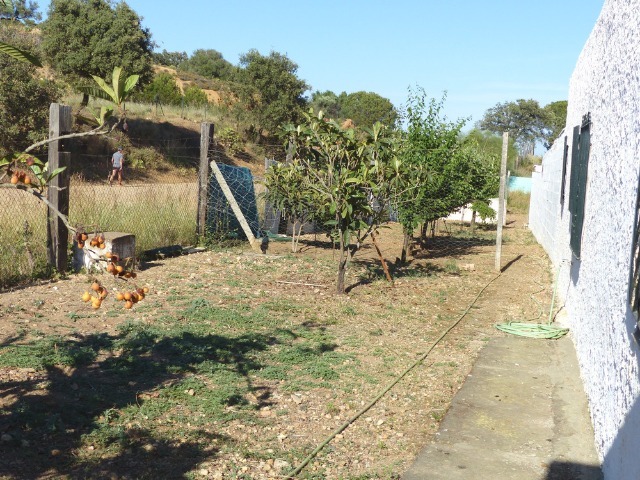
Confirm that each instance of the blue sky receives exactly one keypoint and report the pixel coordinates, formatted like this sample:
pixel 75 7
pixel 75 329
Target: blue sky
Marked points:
pixel 481 53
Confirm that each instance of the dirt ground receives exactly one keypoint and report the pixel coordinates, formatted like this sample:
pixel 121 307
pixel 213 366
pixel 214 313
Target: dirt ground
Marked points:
pixel 380 330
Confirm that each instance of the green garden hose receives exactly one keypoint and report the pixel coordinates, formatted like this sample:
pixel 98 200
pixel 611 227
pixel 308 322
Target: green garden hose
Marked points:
pixel 537 330
pixel 362 411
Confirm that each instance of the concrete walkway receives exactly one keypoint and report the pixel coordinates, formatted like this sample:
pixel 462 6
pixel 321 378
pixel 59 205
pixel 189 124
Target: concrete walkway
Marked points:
pixel 521 414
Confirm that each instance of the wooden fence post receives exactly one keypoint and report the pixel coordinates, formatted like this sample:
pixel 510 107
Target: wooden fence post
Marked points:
pixel 206 135
pixel 60 122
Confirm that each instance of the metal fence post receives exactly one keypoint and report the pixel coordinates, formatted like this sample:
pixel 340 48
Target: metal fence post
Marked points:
pixel 60 122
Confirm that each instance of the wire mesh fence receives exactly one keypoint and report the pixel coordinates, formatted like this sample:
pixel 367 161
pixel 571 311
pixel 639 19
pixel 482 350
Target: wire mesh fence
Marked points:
pixel 159 203
pixel 23 236
pixel 158 214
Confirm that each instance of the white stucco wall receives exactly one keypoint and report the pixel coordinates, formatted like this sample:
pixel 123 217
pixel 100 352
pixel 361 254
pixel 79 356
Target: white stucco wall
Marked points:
pixel 605 82
pixel 544 219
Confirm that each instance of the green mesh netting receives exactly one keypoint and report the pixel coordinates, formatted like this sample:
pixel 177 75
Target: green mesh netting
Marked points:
pixel 220 217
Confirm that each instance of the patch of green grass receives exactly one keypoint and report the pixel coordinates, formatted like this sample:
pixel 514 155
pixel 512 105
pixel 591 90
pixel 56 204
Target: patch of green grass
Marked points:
pixel 349 310
pixel 451 267
pixel 519 201
pixel 51 351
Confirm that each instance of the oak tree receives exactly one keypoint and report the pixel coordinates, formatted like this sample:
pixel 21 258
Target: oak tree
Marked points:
pixel 81 38
pixel 270 90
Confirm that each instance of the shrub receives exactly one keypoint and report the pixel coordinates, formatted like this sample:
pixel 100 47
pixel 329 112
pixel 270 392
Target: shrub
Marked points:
pixel 193 95
pixel 143 157
pixel 162 89
pixel 230 140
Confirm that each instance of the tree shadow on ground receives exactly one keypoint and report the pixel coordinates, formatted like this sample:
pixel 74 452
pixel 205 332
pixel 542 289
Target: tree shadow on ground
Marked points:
pixel 52 419
pixel 444 246
pixel 374 271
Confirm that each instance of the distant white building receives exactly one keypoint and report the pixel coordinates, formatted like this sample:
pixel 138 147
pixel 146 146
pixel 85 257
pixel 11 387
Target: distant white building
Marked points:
pixel 584 211
pixel 465 214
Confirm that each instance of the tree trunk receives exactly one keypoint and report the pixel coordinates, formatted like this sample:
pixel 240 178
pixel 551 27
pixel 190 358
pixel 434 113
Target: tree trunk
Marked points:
pixel 298 235
pixel 382 260
pixel 342 269
pixel 473 222
pixel 293 236
pixel 85 100
pixel 345 256
pixel 405 246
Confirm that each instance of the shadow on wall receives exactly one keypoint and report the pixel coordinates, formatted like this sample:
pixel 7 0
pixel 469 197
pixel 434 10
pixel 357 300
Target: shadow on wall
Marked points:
pixel 622 460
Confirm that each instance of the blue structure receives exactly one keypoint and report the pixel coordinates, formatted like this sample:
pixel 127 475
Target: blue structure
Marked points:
pixel 520 184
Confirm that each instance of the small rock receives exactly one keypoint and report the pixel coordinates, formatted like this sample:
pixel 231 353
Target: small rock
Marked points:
pixel 55 452
pixel 204 472
pixel 379 422
pixel 6 438
pixel 280 464
pixel 148 447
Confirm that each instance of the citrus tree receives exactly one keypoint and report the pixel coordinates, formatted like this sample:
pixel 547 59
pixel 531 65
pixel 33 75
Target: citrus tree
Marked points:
pixel 350 177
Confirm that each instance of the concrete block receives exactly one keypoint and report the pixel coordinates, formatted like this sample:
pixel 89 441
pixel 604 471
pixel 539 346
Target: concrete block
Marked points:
pixel 121 244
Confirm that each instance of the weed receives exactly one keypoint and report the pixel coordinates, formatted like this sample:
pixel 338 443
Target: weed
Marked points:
pixel 451 267
pixel 331 409
pixel 349 310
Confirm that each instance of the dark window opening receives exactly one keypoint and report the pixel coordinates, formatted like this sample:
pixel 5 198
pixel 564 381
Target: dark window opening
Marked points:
pixel 578 181
pixel 634 285
pixel 565 157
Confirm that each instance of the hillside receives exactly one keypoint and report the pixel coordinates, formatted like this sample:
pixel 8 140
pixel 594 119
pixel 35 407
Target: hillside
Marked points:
pixel 163 141
pixel 211 88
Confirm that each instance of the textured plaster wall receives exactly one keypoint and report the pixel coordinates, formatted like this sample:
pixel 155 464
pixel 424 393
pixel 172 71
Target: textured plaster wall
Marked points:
pixel 544 219
pixel 605 82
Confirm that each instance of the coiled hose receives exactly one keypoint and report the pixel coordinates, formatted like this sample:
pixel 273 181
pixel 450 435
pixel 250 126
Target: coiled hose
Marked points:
pixel 537 330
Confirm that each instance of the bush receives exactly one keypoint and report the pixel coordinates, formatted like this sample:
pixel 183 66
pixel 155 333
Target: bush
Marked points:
pixel 24 98
pixel 143 157
pixel 193 95
pixel 162 89
pixel 230 140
